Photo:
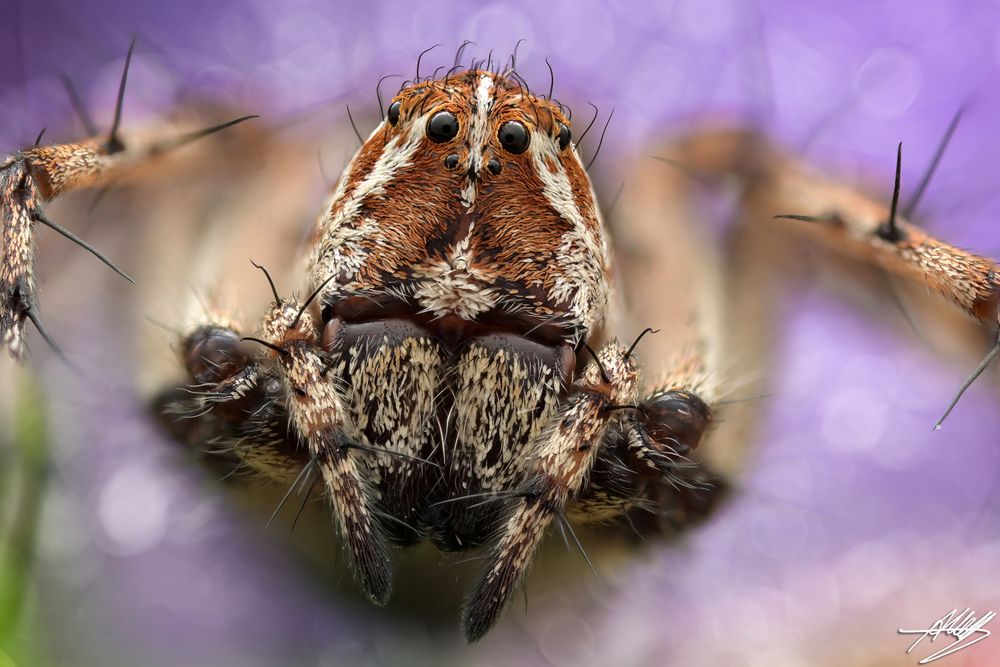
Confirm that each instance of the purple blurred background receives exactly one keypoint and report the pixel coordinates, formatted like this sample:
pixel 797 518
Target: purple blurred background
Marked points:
pixel 855 519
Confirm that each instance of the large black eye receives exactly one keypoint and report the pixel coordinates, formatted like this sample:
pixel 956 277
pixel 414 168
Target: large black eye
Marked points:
pixel 442 126
pixel 393 114
pixel 564 136
pixel 514 136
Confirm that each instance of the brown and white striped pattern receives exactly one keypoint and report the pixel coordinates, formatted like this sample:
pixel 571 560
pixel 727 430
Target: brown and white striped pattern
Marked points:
pixel 404 228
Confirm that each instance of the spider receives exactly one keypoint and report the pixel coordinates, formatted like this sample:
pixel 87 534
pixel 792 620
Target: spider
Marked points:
pixel 464 367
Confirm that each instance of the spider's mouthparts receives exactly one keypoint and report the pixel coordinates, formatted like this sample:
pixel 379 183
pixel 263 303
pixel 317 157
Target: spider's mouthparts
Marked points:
pixel 449 330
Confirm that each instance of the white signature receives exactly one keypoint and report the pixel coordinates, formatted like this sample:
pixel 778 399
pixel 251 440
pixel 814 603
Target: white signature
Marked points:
pixel 960 625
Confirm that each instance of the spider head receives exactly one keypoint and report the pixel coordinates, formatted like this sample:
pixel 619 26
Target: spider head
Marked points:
pixel 467 204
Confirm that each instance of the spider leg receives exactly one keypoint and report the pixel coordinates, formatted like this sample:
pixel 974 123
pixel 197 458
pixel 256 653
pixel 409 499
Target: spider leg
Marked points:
pixel 318 413
pixel 278 414
pixel 564 455
pixel 32 177
pixel 789 198
pixel 777 186
pixel 646 464
pixel 714 329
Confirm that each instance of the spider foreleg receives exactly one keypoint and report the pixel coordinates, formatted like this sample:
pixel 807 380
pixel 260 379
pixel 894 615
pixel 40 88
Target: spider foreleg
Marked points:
pixel 318 414
pixel 32 177
pixel 564 453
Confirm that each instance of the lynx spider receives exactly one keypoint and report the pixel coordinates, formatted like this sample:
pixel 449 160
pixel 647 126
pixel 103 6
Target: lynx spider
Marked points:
pixel 439 377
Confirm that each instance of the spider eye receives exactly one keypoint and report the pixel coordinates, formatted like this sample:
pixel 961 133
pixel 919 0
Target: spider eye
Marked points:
pixel 393 114
pixel 564 136
pixel 514 136
pixel 442 126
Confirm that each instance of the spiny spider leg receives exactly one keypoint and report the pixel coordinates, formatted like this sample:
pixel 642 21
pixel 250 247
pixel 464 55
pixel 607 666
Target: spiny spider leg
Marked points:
pixel 779 186
pixel 604 454
pixel 564 453
pixel 33 177
pixel 318 415
pixel 281 414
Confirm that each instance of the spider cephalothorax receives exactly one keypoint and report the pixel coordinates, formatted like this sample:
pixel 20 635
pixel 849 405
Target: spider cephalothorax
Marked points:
pixel 468 204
